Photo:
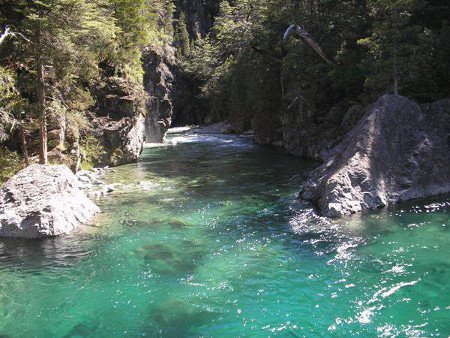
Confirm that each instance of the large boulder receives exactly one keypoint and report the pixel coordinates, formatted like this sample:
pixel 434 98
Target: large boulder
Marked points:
pixel 396 152
pixel 43 201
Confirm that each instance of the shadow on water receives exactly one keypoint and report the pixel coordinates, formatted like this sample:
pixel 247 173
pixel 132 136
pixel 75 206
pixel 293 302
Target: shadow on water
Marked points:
pixel 208 166
pixel 40 253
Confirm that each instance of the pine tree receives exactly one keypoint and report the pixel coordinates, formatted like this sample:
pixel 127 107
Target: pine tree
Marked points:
pixel 137 22
pixel 393 41
pixel 182 39
pixel 60 38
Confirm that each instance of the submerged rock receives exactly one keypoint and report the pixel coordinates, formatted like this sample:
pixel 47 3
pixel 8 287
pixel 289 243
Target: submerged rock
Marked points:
pixel 175 317
pixel 170 260
pixel 43 201
pixel 397 152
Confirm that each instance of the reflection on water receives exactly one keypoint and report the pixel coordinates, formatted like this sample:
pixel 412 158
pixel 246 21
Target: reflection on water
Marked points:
pixel 204 237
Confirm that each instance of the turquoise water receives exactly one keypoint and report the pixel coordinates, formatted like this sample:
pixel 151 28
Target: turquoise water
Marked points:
pixel 204 238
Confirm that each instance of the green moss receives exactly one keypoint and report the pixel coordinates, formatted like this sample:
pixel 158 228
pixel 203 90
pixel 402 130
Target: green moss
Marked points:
pixel 92 152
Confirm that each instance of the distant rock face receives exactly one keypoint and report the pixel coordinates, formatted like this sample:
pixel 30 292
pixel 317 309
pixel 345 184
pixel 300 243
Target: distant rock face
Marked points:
pixel 43 201
pixel 312 134
pixel 305 130
pixel 199 15
pixel 119 125
pixel 158 79
pixel 218 128
pixel 398 151
pixel 122 139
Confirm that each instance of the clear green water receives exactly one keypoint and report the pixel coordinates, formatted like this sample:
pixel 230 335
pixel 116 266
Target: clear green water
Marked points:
pixel 206 239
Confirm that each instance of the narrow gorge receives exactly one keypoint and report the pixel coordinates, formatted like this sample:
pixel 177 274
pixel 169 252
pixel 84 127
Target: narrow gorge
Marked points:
pixel 224 168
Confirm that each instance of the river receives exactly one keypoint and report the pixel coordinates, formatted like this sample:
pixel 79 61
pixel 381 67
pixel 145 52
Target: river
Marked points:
pixel 205 237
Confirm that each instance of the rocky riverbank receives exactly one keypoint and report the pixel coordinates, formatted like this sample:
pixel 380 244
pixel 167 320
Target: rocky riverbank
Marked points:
pixel 218 128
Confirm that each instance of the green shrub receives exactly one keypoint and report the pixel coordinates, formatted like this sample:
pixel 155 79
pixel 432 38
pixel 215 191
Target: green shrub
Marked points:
pixel 10 164
pixel 92 152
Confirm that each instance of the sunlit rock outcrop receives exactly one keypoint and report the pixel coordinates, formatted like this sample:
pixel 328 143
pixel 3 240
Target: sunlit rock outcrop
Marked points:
pixel 158 65
pixel 119 124
pixel 398 151
pixel 43 201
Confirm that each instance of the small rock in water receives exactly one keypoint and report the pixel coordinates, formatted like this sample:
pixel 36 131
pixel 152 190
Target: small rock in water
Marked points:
pixel 109 189
pixel 147 185
pixel 98 182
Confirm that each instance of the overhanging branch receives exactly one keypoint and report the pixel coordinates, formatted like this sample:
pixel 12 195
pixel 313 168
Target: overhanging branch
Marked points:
pixel 302 33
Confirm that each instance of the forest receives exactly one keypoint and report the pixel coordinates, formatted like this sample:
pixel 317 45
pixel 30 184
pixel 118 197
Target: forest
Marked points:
pixel 60 58
pixel 224 168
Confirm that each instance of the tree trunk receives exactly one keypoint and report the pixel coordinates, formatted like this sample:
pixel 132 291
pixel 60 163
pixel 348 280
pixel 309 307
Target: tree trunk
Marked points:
pixel 40 93
pixel 23 143
pixel 395 69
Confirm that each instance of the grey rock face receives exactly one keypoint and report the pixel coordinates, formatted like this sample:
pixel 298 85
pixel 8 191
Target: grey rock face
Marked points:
pixel 43 201
pixel 122 139
pixel 199 15
pixel 158 79
pixel 119 98
pixel 311 134
pixel 119 125
pixel 397 152
pixel 306 130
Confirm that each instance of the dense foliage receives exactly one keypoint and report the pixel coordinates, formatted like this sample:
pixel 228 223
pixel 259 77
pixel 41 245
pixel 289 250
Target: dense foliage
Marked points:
pixel 377 46
pixel 58 51
pixel 54 54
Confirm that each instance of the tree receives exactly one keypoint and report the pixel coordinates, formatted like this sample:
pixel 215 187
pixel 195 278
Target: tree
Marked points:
pixel 62 41
pixel 138 25
pixel 182 36
pixel 393 41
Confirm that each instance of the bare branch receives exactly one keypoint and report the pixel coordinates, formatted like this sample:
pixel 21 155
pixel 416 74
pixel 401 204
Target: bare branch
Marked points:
pixel 22 36
pixel 302 33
